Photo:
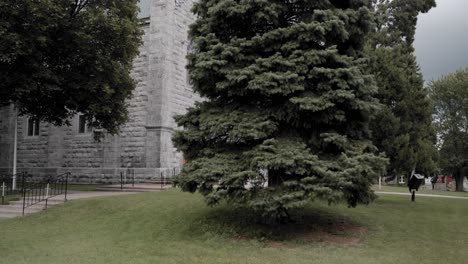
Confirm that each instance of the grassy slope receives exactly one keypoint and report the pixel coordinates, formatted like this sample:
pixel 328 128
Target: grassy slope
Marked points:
pixel 172 227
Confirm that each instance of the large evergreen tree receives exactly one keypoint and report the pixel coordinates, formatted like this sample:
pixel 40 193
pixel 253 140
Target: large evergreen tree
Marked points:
pixel 403 129
pixel 287 104
pixel 450 97
pixel 61 57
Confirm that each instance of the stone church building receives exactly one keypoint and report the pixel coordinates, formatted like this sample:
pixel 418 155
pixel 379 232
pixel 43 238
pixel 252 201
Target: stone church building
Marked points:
pixel 144 145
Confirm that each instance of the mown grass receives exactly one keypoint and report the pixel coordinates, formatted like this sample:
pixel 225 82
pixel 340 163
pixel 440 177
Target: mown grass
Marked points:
pixel 6 200
pixel 404 189
pixel 174 227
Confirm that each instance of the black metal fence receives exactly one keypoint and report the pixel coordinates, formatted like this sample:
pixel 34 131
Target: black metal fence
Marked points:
pixel 9 186
pixel 38 188
pixel 167 176
pixel 34 192
pixel 31 190
pixel 127 177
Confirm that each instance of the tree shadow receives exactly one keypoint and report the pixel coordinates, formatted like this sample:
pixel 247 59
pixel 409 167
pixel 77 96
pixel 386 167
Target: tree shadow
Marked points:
pixel 309 225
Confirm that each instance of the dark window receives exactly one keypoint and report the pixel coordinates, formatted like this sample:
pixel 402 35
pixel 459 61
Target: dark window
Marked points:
pixel 33 127
pixel 83 126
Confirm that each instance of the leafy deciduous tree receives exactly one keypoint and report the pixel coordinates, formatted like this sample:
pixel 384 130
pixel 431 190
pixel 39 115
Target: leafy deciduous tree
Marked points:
pixel 450 97
pixel 60 57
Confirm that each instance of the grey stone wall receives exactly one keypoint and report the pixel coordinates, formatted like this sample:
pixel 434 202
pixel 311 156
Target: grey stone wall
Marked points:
pixel 144 143
pixel 168 79
pixel 7 119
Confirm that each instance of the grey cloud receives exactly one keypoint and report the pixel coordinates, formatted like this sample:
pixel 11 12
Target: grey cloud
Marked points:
pixel 442 39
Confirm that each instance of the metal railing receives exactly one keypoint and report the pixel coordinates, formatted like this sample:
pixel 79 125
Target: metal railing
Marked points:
pixel 127 177
pixel 34 192
pixel 7 187
pixel 166 176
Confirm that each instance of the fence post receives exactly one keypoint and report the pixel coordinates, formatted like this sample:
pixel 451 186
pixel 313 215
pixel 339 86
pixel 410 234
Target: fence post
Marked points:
pixel 121 180
pixel 66 185
pixel 3 191
pixel 162 175
pixel 23 191
pixel 47 195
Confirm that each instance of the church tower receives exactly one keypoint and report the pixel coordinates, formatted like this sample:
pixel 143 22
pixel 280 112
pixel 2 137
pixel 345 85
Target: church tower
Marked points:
pixel 144 144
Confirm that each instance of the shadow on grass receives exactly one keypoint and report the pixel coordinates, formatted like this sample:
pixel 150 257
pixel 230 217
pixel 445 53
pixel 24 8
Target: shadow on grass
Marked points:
pixel 311 225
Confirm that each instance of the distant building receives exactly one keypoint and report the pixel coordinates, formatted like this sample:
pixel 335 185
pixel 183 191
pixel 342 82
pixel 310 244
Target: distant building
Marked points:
pixel 144 144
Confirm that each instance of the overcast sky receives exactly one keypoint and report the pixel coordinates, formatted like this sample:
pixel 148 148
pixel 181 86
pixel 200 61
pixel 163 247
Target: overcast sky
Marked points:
pixel 442 39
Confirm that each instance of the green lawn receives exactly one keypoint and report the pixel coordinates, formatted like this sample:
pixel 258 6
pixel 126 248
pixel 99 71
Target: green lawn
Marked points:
pixel 174 227
pixel 404 189
pixel 9 198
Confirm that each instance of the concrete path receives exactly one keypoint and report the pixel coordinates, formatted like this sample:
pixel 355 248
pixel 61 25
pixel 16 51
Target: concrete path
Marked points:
pixel 74 195
pixel 15 208
pixel 424 195
pixel 137 187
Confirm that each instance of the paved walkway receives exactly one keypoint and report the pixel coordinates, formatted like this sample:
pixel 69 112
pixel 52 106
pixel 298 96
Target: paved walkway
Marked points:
pixel 74 195
pixel 15 208
pixel 424 195
pixel 137 187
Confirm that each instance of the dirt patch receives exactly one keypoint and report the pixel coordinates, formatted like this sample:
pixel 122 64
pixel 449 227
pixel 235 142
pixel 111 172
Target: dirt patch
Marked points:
pixel 335 232
pixel 341 234
pixel 315 226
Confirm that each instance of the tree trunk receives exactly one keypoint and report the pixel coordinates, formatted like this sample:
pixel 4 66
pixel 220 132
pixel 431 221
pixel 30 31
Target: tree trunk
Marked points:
pixel 408 177
pixel 459 177
pixel 275 178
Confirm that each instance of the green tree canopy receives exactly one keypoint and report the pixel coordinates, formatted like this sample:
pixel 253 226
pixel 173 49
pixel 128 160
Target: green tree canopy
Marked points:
pixel 403 129
pixel 287 104
pixel 450 97
pixel 61 57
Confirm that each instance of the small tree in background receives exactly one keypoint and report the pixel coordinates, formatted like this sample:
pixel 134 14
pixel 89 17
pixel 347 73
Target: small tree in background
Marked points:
pixel 61 57
pixel 450 97
pixel 287 107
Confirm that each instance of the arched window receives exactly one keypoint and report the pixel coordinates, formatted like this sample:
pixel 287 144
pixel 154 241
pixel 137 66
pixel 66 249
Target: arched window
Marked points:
pixel 33 127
